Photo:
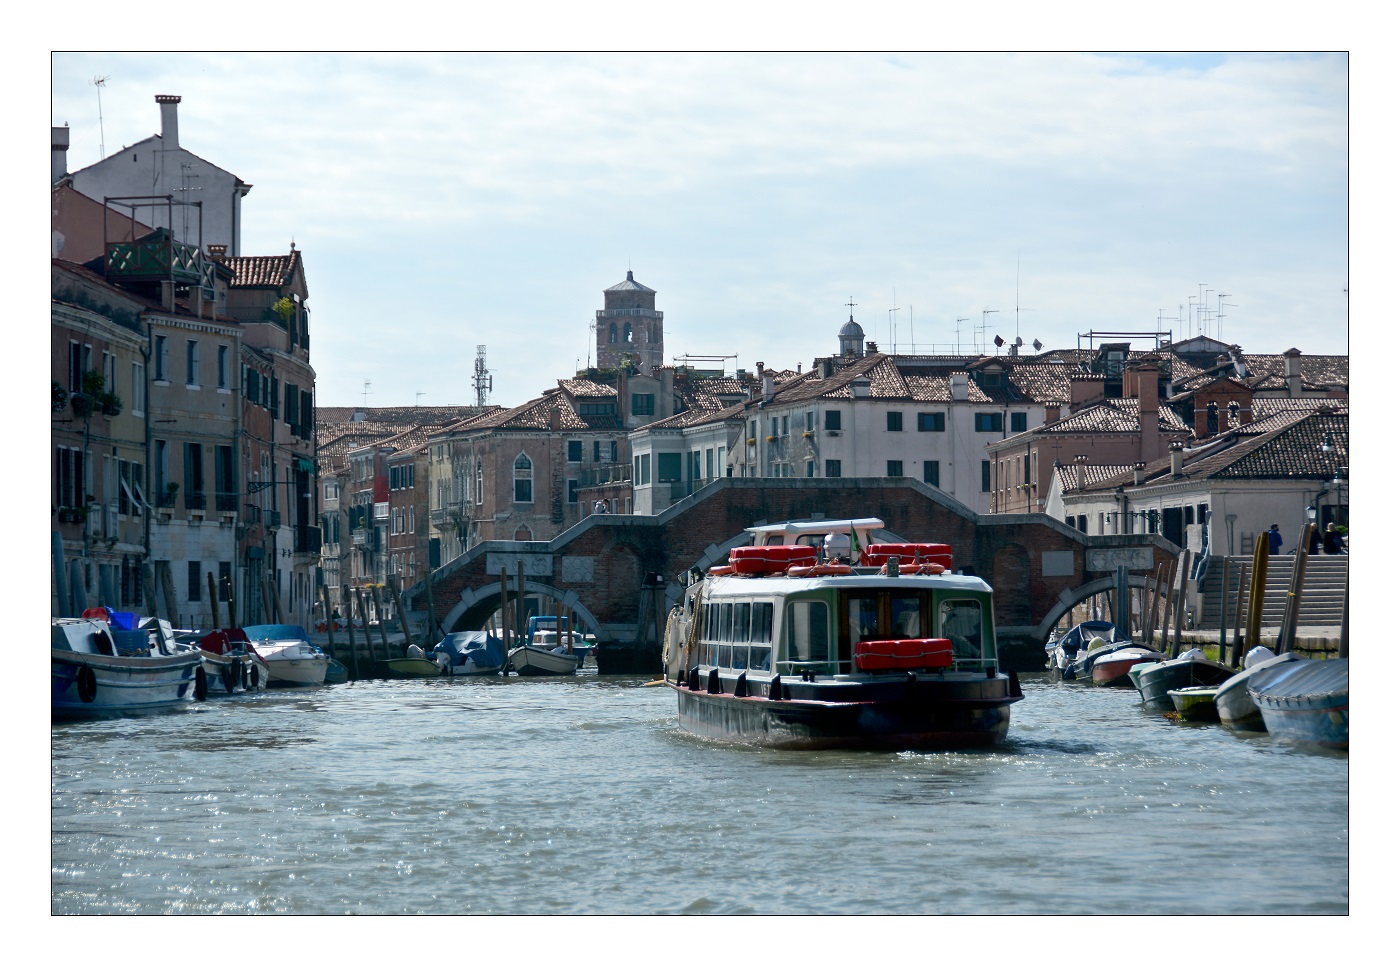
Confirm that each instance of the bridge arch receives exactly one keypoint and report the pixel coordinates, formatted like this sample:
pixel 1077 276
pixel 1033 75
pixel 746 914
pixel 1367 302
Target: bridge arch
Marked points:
pixel 478 604
pixel 1069 598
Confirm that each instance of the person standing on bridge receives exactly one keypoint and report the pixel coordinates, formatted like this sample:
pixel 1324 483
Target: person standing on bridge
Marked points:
pixel 1275 539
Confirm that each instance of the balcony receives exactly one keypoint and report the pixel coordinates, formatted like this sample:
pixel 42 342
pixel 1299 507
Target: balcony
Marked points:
pixel 644 313
pixel 166 499
pixel 226 503
pixel 274 519
pixel 609 474
pixel 252 514
pixel 159 258
pixel 194 500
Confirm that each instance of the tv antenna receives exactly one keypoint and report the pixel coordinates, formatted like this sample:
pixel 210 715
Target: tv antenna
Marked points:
pixel 1220 313
pixel 99 83
pixel 481 377
pixel 366 394
pixel 982 330
pixel 1018 298
pixel 894 343
pixel 957 331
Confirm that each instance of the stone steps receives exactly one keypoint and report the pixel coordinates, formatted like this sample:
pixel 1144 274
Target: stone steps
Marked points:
pixel 1324 590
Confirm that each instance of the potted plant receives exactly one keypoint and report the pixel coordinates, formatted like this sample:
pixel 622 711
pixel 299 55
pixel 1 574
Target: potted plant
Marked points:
pixel 60 398
pixel 111 404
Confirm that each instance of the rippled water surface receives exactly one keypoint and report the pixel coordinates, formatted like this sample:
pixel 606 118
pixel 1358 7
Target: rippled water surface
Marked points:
pixel 582 795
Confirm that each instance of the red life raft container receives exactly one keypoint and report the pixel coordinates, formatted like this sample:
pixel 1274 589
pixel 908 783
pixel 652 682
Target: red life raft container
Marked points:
pixel 878 554
pixel 903 654
pixel 774 559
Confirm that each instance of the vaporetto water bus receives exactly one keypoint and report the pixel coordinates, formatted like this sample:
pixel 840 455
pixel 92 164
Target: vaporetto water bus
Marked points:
pixel 817 636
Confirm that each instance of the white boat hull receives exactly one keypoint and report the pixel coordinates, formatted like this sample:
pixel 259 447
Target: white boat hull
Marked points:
pixel 92 685
pixel 527 660
pixel 294 663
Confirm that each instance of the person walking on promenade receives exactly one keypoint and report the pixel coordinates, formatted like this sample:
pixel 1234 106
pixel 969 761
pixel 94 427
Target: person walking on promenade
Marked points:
pixel 1315 542
pixel 1275 540
pixel 1332 543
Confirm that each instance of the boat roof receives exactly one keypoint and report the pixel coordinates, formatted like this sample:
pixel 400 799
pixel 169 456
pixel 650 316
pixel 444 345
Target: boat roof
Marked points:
pixel 784 584
pixel 861 525
pixel 275 632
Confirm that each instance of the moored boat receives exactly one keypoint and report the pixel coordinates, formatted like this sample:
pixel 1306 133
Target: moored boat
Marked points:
pixel 471 653
pixel 106 665
pixel 1190 668
pixel 545 656
pixel 414 668
pixel 790 648
pixel 1112 668
pixel 1064 652
pixel 1236 709
pixel 291 657
pixel 1305 701
pixel 230 664
pixel 1195 703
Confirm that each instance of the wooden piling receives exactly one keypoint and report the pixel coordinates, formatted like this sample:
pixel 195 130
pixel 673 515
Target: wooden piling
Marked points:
pixel 232 603
pixel 1168 606
pixel 364 619
pixel 1258 576
pixel 167 586
pixel 383 631
pixel 350 629
pixel 1183 574
pixel 522 624
pixel 213 598
pixel 148 589
pixel 1294 602
pixel 403 615
pixel 63 603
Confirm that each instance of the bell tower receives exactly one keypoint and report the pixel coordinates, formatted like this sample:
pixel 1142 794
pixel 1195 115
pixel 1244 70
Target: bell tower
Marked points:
pixel 629 325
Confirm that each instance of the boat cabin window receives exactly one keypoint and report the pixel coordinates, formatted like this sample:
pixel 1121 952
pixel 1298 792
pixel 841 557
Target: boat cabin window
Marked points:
pixel 961 622
pixel 880 615
pixel 806 643
pixel 738 634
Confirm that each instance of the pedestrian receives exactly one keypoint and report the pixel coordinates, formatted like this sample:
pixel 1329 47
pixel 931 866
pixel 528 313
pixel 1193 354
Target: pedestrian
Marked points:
pixel 1275 540
pixel 1315 542
pixel 599 507
pixel 1332 543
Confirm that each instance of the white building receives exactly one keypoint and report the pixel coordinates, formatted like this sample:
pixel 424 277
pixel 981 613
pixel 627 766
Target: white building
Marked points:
pixel 204 201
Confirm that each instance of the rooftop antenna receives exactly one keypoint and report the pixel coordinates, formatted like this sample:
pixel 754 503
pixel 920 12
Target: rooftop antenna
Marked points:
pixel 894 343
pixel 983 330
pixel 99 83
pixel 481 377
pixel 957 331
pixel 1018 295
pixel 366 394
pixel 1220 313
pixel 913 349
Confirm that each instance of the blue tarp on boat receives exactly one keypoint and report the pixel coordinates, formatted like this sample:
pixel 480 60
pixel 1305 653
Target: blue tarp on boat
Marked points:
pixel 480 647
pixel 1303 684
pixel 275 632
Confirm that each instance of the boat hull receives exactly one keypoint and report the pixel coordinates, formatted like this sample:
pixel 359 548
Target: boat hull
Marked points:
pixel 1112 670
pixel 1236 709
pixel 1195 704
pixel 526 660
pixel 1155 683
pixel 470 669
pixel 893 714
pixel 413 668
pixel 1306 702
pixel 229 674
pixel 291 671
pixel 91 686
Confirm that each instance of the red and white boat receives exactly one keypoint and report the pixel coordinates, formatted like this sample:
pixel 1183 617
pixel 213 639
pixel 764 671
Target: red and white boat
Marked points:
pixel 817 636
pixel 1111 668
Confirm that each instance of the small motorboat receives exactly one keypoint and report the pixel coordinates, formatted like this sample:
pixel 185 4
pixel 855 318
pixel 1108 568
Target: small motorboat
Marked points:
pixel 1305 701
pixel 1112 667
pixel 1236 709
pixel 104 664
pixel 230 664
pixel 291 657
pixel 546 656
pixel 1190 668
pixel 1063 653
pixel 1196 703
pixel 415 665
pixel 470 653
pixel 336 672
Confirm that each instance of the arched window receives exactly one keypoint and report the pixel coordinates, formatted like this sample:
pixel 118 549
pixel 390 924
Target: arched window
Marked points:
pixel 627 332
pixel 524 480
pixel 479 493
pixel 523 534
pixel 1234 414
pixel 1212 418
pixel 612 333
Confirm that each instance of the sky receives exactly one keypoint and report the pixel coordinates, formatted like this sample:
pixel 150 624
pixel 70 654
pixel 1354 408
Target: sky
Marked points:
pixel 445 202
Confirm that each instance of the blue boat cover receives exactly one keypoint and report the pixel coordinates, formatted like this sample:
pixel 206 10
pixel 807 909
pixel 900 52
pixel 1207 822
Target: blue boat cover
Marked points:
pixel 1306 683
pixel 479 647
pixel 275 632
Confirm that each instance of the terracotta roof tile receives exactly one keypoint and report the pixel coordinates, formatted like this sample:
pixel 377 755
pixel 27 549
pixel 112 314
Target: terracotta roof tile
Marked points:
pixel 1113 416
pixel 260 270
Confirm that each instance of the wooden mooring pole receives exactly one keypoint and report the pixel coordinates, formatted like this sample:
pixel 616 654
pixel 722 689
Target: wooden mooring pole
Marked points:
pixel 350 629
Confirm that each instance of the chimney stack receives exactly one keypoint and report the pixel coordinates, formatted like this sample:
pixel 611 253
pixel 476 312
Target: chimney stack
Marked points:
pixel 871 349
pixel 1178 458
pixel 1080 470
pixel 1084 389
pixel 957 386
pixel 1146 373
pixel 1293 372
pixel 768 387
pixel 169 121
pixel 1139 474
pixel 60 152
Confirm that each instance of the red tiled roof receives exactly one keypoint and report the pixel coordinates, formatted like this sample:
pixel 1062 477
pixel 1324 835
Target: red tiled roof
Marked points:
pixel 261 270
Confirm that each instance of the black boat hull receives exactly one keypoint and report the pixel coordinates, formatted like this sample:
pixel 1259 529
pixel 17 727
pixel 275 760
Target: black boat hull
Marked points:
pixel 894 715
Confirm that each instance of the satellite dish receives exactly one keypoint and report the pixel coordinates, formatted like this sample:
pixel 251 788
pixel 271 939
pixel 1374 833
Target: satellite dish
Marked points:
pixel 999 341
pixel 1037 344
pixel 1018 341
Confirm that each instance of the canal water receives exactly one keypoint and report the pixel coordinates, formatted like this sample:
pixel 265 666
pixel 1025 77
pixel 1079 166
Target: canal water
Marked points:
pixel 582 796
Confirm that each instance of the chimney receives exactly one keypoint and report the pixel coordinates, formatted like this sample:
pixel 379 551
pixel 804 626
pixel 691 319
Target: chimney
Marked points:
pixel 827 368
pixel 1178 458
pixel 1293 372
pixel 957 385
pixel 555 423
pixel 768 387
pixel 60 152
pixel 1139 474
pixel 1080 470
pixel 871 349
pixel 1246 410
pixel 1148 446
pixel 169 121
pixel 860 387
pixel 624 402
pixel 667 404
pixel 1052 412
pixel 218 250
pixel 1084 388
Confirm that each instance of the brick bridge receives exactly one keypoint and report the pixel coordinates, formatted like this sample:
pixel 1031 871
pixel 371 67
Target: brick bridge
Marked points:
pixel 598 569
